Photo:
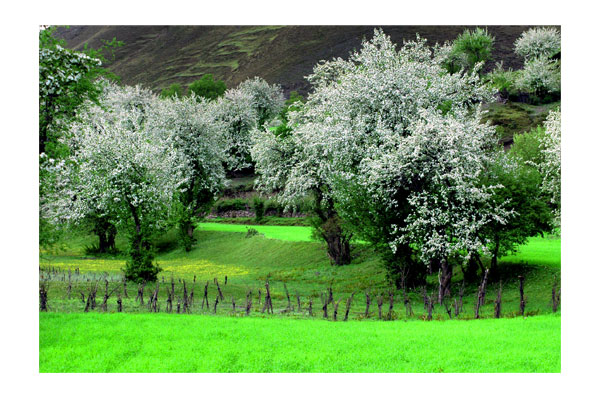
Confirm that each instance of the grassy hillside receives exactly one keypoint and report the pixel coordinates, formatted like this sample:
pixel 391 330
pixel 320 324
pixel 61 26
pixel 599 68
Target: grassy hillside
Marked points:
pixel 157 56
pixel 290 340
pixel 299 263
pixel 177 343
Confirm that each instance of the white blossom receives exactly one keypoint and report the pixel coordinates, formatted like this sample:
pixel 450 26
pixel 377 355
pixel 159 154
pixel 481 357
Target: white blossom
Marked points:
pixel 119 166
pixel 243 110
pixel 538 42
pixel 385 122
pixel 551 165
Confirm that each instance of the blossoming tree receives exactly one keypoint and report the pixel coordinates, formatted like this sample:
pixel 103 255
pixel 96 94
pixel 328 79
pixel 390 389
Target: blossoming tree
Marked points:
pixel 550 166
pixel 396 145
pixel 121 167
pixel 198 138
pixel 538 42
pixel 242 110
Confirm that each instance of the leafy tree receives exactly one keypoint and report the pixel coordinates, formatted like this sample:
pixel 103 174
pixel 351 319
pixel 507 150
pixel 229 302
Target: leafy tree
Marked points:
pixel 207 87
pixel 519 189
pixel 175 90
pixel 540 76
pixel 122 166
pixel 67 79
pixel 550 166
pixel 473 47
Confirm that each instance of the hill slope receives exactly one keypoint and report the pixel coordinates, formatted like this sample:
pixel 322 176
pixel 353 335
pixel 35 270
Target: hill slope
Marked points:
pixel 157 56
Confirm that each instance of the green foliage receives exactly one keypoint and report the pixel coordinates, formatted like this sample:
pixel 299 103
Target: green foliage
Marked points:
pixel 504 81
pixel 272 205
pixel 251 232
pixel 259 208
pixel 140 267
pixel 234 204
pixel 294 103
pixel 455 62
pixel 527 147
pixel 521 192
pixel 207 87
pixel 175 90
pixel 67 79
pixel 473 46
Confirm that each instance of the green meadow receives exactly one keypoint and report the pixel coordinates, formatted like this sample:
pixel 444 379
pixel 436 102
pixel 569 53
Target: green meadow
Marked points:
pixel 217 339
pixel 195 343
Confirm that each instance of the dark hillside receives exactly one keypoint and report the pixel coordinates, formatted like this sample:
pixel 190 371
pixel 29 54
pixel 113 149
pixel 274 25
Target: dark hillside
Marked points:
pixel 157 56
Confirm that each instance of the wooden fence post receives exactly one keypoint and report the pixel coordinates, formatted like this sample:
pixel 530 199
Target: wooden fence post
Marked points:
pixel 498 303
pixel 522 296
pixel 348 304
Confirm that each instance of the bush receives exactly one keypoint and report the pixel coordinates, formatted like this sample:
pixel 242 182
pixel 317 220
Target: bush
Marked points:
pixel 272 205
pixel 94 250
pixel 235 204
pixel 475 46
pixel 141 268
pixel 259 208
pixel 175 90
pixel 527 147
pixel 251 232
pixel 207 87
pixel 541 77
pixel 538 42
pixel 503 80
pixel 455 62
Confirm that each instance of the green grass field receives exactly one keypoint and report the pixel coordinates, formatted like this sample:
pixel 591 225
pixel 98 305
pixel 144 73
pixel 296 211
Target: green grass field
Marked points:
pixel 286 233
pixel 287 255
pixel 179 343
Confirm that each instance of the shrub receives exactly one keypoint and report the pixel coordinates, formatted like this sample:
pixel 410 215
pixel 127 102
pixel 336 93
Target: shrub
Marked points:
pixel 455 62
pixel 476 46
pixel 538 42
pixel 141 268
pixel 235 204
pixel 175 90
pixel 527 147
pixel 94 250
pixel 259 208
pixel 540 76
pixel 251 232
pixel 207 87
pixel 503 80
pixel 272 205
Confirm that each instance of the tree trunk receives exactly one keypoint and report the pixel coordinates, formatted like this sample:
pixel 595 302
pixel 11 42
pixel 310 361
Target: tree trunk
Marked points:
pixel 102 242
pixel 106 232
pixel 111 234
pixel 338 249
pixel 445 280
pixel 522 296
pixel 494 262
